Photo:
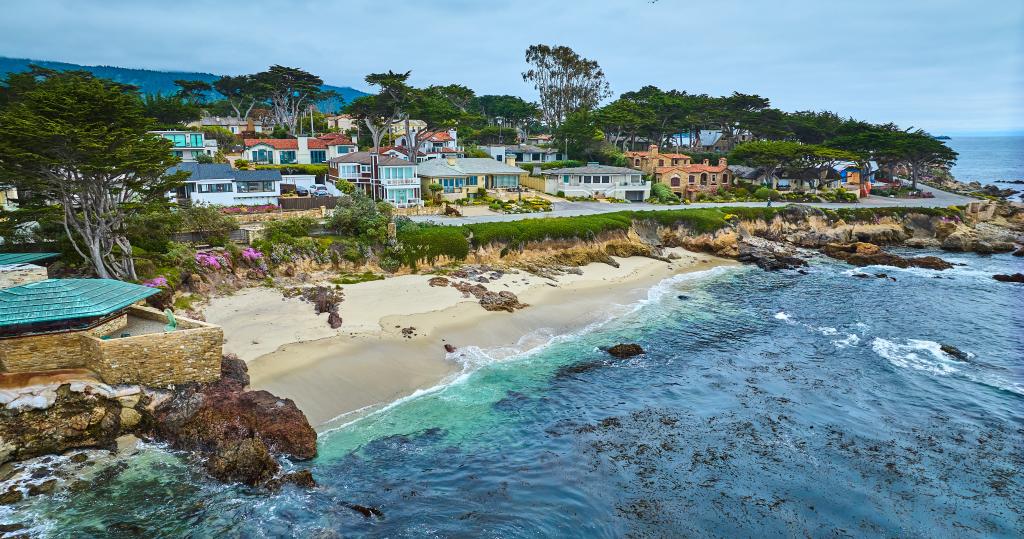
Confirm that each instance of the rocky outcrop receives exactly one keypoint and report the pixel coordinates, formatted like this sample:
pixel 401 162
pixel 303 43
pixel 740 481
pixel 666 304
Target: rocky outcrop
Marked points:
pixel 89 416
pixel 867 254
pixel 1012 278
pixel 625 350
pixel 501 301
pixel 768 255
pixel 240 432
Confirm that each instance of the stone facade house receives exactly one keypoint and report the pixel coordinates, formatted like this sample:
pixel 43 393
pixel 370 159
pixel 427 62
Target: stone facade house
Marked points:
pixel 688 180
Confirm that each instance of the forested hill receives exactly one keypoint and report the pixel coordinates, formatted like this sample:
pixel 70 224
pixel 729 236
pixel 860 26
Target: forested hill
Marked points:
pixel 153 82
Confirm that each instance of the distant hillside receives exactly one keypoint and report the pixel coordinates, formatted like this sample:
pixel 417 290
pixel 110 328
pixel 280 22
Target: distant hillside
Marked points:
pixel 153 82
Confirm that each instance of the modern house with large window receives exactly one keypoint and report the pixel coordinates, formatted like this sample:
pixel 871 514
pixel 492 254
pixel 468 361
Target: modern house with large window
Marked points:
pixel 189 145
pixel 383 177
pixel 598 181
pixel 219 184
pixel 297 151
pixel 463 177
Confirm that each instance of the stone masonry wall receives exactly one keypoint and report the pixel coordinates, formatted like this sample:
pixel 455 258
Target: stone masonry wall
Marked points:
pixel 51 351
pixel 192 353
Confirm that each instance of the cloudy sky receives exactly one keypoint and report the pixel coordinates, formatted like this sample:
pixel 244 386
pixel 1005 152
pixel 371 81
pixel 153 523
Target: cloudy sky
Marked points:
pixel 949 66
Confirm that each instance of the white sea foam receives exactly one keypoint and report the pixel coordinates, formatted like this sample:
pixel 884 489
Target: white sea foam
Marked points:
pixel 824 330
pixel 781 315
pixel 851 339
pixel 916 354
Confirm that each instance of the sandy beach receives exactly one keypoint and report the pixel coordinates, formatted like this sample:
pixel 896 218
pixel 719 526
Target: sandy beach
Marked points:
pixel 337 375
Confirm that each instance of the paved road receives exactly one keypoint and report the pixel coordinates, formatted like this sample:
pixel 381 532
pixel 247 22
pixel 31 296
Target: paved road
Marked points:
pixel 563 208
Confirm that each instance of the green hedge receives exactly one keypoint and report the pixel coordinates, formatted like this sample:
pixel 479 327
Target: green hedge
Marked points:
pixel 429 243
pixel 527 230
pixel 316 170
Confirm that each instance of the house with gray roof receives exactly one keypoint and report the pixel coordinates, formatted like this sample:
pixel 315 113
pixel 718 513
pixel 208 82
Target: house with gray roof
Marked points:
pixel 464 177
pixel 219 184
pixel 598 181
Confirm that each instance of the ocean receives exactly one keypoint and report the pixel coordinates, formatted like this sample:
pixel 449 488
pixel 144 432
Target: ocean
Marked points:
pixel 988 159
pixel 766 404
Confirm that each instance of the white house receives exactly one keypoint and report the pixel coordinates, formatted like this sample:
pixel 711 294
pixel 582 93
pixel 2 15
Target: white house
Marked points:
pixel 524 153
pixel 301 150
pixel 598 181
pixel 219 184
pixel 189 145
pixel 237 126
pixel 435 144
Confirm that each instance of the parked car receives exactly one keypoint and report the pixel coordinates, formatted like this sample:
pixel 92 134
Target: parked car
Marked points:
pixel 319 191
pixel 302 190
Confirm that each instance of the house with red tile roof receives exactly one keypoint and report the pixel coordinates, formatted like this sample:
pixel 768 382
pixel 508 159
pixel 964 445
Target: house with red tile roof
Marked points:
pixel 301 150
pixel 435 144
pixel 686 180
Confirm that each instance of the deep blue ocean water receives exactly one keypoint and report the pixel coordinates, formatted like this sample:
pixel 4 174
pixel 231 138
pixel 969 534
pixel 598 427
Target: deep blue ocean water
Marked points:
pixel 988 159
pixel 767 404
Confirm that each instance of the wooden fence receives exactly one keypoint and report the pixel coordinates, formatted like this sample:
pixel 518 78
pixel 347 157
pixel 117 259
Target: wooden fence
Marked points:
pixel 307 203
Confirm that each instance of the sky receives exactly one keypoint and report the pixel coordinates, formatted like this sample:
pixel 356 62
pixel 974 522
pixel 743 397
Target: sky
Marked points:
pixel 950 67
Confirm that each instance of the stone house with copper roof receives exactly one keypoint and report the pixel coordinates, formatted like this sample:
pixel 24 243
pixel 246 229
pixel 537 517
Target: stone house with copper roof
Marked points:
pixel 680 174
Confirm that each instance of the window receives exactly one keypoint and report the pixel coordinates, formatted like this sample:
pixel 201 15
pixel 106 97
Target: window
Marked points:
pixel 565 178
pixel 714 178
pixel 536 157
pixel 215 188
pixel 505 181
pixel 675 181
pixel 586 179
pixel 704 178
pixel 178 154
pixel 606 179
pixel 499 158
pixel 196 140
pixel 256 187
pixel 471 180
pixel 318 156
pixel 661 162
pixel 287 157
pixel 691 178
pixel 636 162
pixel 195 155
pixel 263 156
pixel 364 168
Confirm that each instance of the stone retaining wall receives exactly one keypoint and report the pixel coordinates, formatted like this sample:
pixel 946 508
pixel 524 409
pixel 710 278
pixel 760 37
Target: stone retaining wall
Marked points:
pixel 191 353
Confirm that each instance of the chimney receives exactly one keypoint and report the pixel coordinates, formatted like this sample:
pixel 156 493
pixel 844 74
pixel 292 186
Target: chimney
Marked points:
pixel 510 160
pixel 451 161
pixel 707 162
pixel 722 162
pixel 653 149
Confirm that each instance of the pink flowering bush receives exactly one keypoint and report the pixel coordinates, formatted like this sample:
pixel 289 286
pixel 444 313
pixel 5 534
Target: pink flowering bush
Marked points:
pixel 212 261
pixel 251 255
pixel 155 282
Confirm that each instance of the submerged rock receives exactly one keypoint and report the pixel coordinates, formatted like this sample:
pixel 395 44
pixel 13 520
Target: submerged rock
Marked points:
pixel 623 351
pixel 365 510
pixel 1014 278
pixel 954 352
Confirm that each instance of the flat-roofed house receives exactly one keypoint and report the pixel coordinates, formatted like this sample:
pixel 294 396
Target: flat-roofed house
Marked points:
pixel 598 181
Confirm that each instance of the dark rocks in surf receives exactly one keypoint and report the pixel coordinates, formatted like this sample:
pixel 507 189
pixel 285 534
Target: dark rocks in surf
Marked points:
pixel 869 254
pixel 1013 278
pixel 626 350
pixel 954 352
pixel 768 255
pixel 449 348
pixel 365 510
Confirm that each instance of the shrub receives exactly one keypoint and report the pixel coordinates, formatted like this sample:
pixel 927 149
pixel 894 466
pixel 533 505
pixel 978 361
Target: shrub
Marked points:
pixel 663 194
pixel 153 231
pixel 766 193
pixel 241 164
pixel 431 242
pixel 212 226
pixel 286 230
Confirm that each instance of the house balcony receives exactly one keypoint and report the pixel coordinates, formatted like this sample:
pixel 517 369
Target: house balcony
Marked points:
pixel 403 182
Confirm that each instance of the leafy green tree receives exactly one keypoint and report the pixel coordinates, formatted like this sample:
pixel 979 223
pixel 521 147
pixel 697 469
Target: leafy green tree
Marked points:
pixel 242 93
pixel 774 156
pixel 566 81
pixel 193 91
pixel 81 142
pixel 359 217
pixel 579 135
pixel 381 110
pixel 289 92
pixel 622 120
pixel 170 110
pixel 921 151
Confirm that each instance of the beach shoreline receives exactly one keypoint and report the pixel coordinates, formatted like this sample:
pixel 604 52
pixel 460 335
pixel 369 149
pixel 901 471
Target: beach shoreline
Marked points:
pixel 392 341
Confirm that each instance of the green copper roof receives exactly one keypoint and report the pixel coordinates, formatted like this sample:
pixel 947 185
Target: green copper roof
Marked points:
pixel 67 299
pixel 24 258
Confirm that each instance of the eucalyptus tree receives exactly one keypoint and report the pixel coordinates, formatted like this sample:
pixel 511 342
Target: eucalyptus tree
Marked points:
pixel 566 81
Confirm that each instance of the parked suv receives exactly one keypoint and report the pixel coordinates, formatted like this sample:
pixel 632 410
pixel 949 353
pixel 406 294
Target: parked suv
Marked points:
pixel 302 190
pixel 319 191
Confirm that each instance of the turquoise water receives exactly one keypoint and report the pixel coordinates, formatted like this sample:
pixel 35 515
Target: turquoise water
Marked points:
pixel 767 404
pixel 988 159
